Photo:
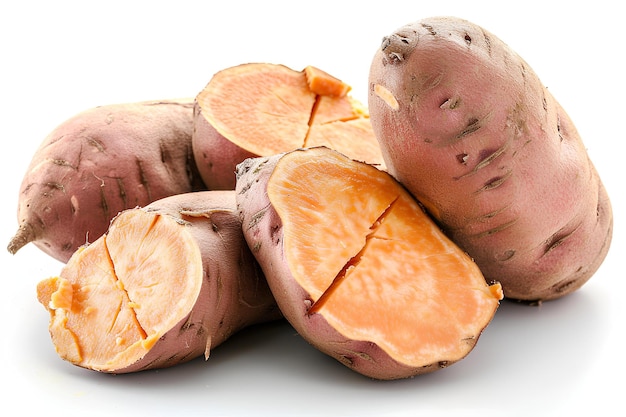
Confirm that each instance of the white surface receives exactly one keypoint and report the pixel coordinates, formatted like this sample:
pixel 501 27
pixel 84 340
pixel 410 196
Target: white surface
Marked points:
pixel 59 58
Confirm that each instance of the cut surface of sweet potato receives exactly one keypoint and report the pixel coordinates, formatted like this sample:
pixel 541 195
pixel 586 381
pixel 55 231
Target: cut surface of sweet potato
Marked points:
pixel 259 107
pixel 262 109
pixel 375 266
pixel 164 285
pixel 324 84
pixel 114 290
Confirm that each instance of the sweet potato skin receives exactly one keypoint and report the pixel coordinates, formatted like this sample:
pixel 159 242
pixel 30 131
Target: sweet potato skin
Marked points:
pixel 100 162
pixel 467 126
pixel 232 293
pixel 235 293
pixel 217 168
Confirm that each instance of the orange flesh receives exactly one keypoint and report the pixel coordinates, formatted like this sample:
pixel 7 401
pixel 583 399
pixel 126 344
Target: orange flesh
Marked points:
pixel 267 109
pixel 376 267
pixel 324 84
pixel 107 305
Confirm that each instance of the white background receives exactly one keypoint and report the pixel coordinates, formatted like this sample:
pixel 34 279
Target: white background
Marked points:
pixel 60 57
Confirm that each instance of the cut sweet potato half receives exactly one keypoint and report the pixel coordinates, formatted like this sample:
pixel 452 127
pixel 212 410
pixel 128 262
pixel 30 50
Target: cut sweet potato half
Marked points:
pixel 357 267
pixel 164 285
pixel 262 109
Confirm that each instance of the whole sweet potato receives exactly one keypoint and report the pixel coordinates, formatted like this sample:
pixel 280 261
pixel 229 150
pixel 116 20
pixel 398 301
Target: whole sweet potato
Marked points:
pixel 357 267
pixel 98 163
pixel 165 284
pixel 467 126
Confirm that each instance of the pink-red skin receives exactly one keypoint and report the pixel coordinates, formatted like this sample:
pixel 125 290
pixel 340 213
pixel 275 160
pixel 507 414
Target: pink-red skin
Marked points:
pixel 216 157
pixel 491 153
pixel 98 163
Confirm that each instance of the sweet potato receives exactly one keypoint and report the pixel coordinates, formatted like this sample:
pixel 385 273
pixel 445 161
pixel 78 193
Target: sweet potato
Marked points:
pixel 357 267
pixel 467 126
pixel 262 109
pixel 165 284
pixel 98 163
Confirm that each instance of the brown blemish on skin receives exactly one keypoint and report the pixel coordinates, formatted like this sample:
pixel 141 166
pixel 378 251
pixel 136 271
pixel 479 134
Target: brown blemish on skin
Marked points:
pixel 103 202
pixel 523 72
pixel 397 47
pixel 473 125
pixel 257 217
pixel 495 182
pixel 557 239
pixel 562 287
pixel 430 29
pixel 487 40
pixel 558 127
pixel 62 163
pixel 486 157
pixel 495 229
pixel 56 186
pixel 121 191
pixel 95 143
pixel 275 234
pixel 506 256
pixel 494 213
pixel 143 179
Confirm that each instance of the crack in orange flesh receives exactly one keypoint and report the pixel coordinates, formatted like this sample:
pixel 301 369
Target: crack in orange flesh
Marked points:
pixel 352 263
pixel 128 288
pixel 266 109
pixel 120 285
pixel 310 123
pixel 412 292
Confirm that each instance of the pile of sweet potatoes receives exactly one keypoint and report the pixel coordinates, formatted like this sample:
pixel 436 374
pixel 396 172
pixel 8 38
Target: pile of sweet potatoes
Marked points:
pixel 386 235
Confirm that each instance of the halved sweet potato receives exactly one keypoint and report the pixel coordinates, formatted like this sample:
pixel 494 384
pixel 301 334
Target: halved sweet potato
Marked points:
pixel 165 284
pixel 262 109
pixel 357 267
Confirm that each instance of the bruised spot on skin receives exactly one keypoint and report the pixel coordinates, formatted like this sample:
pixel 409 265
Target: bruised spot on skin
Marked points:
pixel 387 96
pixel 472 126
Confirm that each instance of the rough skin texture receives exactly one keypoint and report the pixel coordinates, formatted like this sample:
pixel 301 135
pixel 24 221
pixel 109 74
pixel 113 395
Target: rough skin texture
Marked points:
pixel 467 126
pixel 98 163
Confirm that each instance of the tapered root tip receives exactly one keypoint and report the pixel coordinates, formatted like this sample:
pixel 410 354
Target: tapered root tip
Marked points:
pixel 24 235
